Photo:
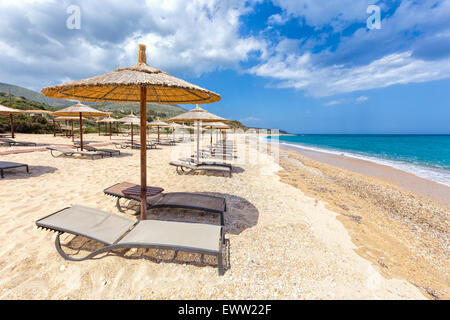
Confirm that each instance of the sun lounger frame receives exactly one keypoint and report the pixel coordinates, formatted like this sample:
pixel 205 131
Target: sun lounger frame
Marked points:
pixel 117 245
pixel 12 166
pixel 70 153
pixel 127 144
pixel 187 168
pixel 111 152
pixel 158 205
pixel 11 143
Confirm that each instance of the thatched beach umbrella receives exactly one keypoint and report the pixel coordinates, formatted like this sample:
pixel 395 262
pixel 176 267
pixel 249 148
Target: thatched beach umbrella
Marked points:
pixel 5 111
pixel 218 126
pixel 71 120
pixel 131 120
pixel 140 83
pixel 159 124
pixel 197 115
pixel 79 110
pixel 107 121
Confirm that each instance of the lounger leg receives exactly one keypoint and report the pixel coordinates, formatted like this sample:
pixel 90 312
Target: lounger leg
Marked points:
pixel 220 264
pixel 91 255
pixel 51 151
pixel 1 173
pixel 220 255
pixel 28 170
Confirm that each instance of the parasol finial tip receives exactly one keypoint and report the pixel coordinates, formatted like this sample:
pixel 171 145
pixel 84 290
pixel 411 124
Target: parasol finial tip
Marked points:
pixel 142 54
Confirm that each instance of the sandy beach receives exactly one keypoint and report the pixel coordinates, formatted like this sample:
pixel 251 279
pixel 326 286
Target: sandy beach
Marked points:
pixel 297 229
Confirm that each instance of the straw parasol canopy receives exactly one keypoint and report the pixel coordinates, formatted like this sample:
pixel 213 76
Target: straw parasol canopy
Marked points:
pixel 68 119
pixel 131 120
pixel 79 110
pixel 71 119
pixel 5 111
pixel 140 83
pixel 197 115
pixel 123 85
pixel 107 121
pixel 38 112
pixel 159 124
pixel 216 125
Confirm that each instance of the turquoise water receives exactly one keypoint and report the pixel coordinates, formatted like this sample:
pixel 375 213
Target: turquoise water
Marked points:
pixel 427 156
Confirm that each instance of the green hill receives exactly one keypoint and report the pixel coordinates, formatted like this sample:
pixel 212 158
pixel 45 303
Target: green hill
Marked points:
pixel 32 95
pixel 22 98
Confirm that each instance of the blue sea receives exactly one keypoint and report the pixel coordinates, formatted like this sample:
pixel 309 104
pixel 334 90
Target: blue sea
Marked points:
pixel 427 156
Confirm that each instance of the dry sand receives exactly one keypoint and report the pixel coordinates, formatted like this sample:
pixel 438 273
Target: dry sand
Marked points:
pixel 283 243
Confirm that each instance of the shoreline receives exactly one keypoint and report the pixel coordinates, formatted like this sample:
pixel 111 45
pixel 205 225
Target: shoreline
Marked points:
pixel 401 232
pixel 426 188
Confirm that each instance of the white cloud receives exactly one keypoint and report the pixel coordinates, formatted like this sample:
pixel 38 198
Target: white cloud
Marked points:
pixel 361 99
pixel 358 100
pixel 334 102
pixel 301 73
pixel 250 119
pixel 277 19
pixel 182 37
pixel 413 46
pixel 318 13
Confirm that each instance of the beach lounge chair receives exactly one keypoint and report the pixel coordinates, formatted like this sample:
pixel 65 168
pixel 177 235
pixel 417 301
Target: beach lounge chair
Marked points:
pixel 128 144
pixel 70 152
pixel 182 200
pixel 111 152
pixel 184 167
pixel 11 165
pixel 206 154
pixel 166 142
pixel 193 160
pixel 117 232
pixel 12 142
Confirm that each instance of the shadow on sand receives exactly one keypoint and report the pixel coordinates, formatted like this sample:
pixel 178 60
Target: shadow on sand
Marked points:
pixel 239 216
pixel 20 173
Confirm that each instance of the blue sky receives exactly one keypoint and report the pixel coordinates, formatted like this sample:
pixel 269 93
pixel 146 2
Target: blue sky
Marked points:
pixel 306 66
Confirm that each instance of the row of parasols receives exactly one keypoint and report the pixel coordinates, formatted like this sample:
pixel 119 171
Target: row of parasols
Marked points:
pixel 81 111
pixel 140 83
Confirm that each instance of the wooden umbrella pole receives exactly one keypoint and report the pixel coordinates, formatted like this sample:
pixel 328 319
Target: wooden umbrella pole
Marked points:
pixel 54 129
pixel 143 153
pixel 132 135
pixel 110 131
pixel 11 124
pixel 73 134
pixel 81 131
pixel 198 141
pixel 99 130
pixel 158 133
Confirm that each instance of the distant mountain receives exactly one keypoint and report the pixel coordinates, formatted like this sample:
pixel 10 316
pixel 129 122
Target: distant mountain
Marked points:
pixel 23 97
pixel 21 103
pixel 32 95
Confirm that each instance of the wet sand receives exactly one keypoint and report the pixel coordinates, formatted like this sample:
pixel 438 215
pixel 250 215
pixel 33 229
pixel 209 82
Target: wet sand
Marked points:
pixel 404 233
pixel 431 190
